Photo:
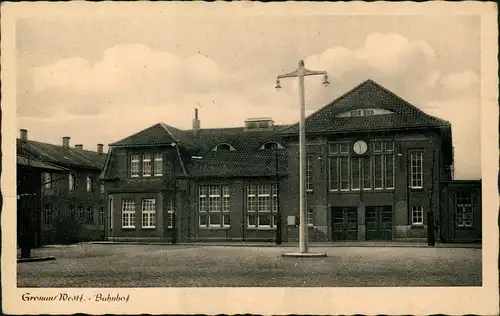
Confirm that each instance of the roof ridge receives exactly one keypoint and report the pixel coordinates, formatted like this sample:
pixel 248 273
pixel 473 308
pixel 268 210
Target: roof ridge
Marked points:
pixel 326 106
pixel 58 146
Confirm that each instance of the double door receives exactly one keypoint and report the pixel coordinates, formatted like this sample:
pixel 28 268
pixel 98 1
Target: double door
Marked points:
pixel 344 223
pixel 378 222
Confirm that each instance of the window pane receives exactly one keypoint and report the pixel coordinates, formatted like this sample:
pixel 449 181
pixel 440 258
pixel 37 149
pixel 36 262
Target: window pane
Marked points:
pixel 367 180
pixel 344 148
pixel 377 146
pixel 389 145
pixel 264 220
pixel 389 171
pixel 158 164
pixel 333 148
pixel 134 165
pixel 226 219
pixel 309 167
pixel 416 165
pixel 378 172
pixel 355 173
pixel 344 173
pixel 334 179
pixel 215 220
pixel 252 220
pixel 203 220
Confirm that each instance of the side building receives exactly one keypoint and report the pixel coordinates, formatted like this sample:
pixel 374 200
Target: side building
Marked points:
pixel 69 203
pixel 376 167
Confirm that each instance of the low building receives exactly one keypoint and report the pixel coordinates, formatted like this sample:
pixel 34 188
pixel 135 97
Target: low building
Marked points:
pixel 69 195
pixel 375 167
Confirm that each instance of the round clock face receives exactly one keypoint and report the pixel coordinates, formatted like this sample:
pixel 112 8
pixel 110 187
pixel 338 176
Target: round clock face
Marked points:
pixel 360 147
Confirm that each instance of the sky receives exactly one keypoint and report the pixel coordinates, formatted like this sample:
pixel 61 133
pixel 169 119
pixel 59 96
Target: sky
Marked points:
pixel 100 78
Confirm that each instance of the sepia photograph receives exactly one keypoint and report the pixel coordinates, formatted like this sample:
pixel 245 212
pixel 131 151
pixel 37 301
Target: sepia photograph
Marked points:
pixel 249 146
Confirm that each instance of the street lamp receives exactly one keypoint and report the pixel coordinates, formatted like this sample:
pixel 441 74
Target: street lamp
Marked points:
pixel 300 73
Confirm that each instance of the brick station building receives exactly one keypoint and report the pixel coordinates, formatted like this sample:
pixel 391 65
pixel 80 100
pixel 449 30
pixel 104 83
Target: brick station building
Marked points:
pixel 376 165
pixel 55 182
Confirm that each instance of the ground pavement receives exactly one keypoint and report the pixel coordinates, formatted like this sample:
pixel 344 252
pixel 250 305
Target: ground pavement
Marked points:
pixel 117 265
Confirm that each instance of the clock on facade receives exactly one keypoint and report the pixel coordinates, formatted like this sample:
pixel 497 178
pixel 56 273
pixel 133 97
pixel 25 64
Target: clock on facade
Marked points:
pixel 360 147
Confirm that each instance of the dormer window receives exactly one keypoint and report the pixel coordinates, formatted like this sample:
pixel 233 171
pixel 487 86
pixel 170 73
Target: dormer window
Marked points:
pixel 271 145
pixel 223 147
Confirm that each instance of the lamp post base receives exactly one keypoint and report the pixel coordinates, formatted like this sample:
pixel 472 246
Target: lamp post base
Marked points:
pixel 304 254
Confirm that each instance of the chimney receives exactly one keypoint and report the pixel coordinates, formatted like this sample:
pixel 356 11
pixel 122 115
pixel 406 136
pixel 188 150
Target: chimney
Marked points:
pixel 196 123
pixel 24 135
pixel 100 148
pixel 65 141
pixel 79 147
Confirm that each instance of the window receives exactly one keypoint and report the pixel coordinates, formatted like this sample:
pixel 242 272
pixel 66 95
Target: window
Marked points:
pixel 81 212
pixel 146 165
pixel 464 210
pixel 89 215
pixel 367 173
pixel 348 172
pixel 72 182
pixel 416 165
pixel 262 204
pixel 214 206
pixel 310 217
pixel 344 148
pixel 158 165
pixel 344 173
pixel 377 146
pixel 378 174
pixel 46 180
pixel 334 173
pixel 417 215
pixel 170 213
pixel 89 184
pixel 223 147
pixel 101 188
pixel 111 206
pixel 128 213
pixel 389 171
pixel 355 173
pixel 47 214
pixel 72 211
pixel 309 175
pixel 101 215
pixel 134 165
pixel 356 113
pixel 367 112
pixel 148 213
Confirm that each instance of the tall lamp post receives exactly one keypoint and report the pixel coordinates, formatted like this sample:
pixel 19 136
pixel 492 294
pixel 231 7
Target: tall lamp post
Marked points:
pixel 300 73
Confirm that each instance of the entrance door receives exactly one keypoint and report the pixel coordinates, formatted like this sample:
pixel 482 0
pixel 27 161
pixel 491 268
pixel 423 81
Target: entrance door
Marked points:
pixel 378 223
pixel 344 223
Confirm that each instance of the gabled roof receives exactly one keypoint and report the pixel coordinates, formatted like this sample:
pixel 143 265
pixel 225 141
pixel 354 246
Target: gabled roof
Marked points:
pixel 157 135
pixel 29 162
pixel 367 95
pixel 61 156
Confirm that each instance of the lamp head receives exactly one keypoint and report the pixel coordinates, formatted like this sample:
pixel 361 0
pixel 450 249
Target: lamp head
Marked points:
pixel 325 80
pixel 278 85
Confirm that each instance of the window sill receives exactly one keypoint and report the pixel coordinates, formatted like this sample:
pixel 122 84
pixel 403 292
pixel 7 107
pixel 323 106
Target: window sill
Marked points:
pixel 417 226
pixel 261 228
pixel 128 228
pixel 214 228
